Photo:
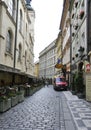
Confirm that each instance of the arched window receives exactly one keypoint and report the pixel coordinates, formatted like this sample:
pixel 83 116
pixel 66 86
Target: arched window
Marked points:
pixel 11 7
pixel 20 52
pixel 20 21
pixel 9 41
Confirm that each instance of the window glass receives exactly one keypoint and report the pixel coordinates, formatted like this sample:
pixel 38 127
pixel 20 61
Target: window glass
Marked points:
pixel 20 21
pixel 11 7
pixel 8 41
pixel 19 57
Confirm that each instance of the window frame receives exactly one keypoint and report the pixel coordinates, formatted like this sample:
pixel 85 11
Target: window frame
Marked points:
pixel 9 39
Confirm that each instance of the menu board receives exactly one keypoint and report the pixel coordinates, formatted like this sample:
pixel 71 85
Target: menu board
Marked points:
pixel 88 87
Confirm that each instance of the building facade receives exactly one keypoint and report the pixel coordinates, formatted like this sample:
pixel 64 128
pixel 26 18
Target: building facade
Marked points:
pixel 79 33
pixel 16 41
pixel 47 60
pixel 36 69
pixel 80 12
pixel 58 69
pixel 65 32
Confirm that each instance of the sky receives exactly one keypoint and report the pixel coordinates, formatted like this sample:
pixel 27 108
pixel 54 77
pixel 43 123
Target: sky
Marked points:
pixel 47 21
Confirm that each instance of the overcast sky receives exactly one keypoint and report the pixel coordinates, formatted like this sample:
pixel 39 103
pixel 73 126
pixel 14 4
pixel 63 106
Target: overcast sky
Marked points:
pixel 47 21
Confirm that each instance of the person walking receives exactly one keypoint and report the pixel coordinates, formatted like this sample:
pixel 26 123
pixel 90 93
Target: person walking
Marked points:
pixel 46 82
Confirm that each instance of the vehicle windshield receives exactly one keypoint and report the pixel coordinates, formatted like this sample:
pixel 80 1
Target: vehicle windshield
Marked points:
pixel 60 79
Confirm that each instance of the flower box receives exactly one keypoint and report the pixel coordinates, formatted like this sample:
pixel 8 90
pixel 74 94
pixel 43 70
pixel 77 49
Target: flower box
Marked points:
pixel 20 96
pixel 5 105
pixel 14 100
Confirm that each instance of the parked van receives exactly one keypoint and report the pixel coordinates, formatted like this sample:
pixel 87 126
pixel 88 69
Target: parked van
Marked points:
pixel 60 83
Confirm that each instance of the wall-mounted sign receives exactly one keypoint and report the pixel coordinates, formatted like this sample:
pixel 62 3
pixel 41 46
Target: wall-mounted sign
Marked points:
pixel 88 87
pixel 87 67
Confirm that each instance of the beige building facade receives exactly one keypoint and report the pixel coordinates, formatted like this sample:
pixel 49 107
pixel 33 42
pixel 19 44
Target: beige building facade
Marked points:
pixel 58 44
pixel 65 39
pixel 16 41
pixel 36 69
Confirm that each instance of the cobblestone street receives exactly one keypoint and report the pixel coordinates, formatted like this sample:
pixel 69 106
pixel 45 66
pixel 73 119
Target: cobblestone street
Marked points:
pixel 45 110
pixel 48 110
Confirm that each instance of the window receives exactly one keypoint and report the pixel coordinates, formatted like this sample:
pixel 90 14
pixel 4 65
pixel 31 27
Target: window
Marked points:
pixel 26 31
pixel 9 41
pixel 83 3
pixel 83 39
pixel 11 7
pixel 20 22
pixel 26 60
pixel 20 51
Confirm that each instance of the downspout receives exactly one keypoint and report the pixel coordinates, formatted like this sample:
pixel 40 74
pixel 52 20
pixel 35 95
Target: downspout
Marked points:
pixel 87 10
pixel 16 28
pixel 70 46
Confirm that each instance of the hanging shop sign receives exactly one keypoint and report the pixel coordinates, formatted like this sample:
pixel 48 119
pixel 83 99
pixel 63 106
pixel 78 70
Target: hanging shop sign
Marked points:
pixel 59 66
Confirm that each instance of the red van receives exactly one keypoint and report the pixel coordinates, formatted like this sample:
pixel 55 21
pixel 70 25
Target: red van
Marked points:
pixel 60 83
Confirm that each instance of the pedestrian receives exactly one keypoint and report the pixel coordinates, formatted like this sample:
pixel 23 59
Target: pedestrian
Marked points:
pixel 46 82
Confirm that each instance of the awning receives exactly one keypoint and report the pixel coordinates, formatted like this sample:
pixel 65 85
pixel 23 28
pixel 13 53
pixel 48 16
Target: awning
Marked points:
pixel 4 68
pixel 15 71
pixel 59 66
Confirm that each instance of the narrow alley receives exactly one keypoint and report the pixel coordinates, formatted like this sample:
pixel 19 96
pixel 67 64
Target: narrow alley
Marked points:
pixel 48 110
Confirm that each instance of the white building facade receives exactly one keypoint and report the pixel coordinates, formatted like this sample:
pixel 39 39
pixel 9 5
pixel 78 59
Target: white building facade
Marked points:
pixel 16 40
pixel 79 33
pixel 47 60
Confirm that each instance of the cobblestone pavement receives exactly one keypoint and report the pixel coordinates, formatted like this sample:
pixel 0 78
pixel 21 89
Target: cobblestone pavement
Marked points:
pixel 81 111
pixel 45 110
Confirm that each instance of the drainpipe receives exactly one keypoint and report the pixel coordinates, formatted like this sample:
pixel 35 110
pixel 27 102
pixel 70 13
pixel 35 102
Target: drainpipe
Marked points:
pixel 70 83
pixel 16 28
pixel 87 13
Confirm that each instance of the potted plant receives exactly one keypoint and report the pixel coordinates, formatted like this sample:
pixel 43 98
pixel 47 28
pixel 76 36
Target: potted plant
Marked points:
pixel 5 103
pixel 14 98
pixel 20 95
pixel 78 80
